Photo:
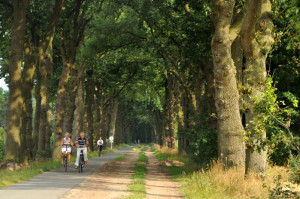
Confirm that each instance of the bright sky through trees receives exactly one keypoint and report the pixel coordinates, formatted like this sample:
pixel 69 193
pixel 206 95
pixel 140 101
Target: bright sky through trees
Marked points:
pixel 3 84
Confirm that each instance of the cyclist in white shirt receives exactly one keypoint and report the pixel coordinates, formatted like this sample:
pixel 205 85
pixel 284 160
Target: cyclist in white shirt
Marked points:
pixel 64 149
pixel 100 145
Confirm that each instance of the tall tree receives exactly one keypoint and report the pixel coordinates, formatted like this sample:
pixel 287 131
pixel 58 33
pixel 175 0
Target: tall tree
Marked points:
pixel 230 128
pixel 38 43
pixel 15 101
pixel 72 33
pixel 257 40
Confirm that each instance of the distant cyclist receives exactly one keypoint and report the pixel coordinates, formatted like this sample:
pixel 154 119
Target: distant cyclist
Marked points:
pixel 64 149
pixel 81 144
pixel 100 145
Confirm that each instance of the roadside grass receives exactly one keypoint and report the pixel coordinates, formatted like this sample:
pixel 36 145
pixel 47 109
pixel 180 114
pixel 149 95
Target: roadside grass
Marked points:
pixel 152 147
pixel 214 182
pixel 137 187
pixel 137 148
pixel 142 157
pixel 145 148
pixel 121 157
pixel 39 166
pixel 8 178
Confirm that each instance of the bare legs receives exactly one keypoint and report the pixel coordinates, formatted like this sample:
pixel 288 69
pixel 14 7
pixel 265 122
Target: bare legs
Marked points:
pixel 63 157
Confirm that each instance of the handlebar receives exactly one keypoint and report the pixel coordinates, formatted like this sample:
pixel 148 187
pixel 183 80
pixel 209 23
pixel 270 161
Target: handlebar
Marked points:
pixel 82 146
pixel 66 145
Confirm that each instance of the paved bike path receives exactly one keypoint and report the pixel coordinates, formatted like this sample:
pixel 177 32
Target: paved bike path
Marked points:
pixel 55 183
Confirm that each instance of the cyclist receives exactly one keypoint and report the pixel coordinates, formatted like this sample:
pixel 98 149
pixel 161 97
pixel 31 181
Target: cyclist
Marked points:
pixel 66 141
pixel 81 144
pixel 100 145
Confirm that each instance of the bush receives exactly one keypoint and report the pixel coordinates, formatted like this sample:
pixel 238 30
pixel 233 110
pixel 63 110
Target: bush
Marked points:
pixel 294 163
pixel 204 145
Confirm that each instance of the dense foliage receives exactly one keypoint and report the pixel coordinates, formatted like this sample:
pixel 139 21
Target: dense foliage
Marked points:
pixel 143 70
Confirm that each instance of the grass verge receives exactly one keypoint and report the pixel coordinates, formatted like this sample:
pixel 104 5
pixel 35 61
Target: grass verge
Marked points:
pixel 214 182
pixel 121 157
pixel 145 148
pixel 142 157
pixel 137 187
pixel 8 178
pixel 37 167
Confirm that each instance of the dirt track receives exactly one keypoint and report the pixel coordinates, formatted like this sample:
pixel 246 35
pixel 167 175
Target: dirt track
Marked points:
pixel 110 181
pixel 158 182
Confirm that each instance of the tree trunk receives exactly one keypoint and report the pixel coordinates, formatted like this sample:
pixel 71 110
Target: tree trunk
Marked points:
pixel 159 116
pixel 104 124
pixel 230 128
pixel 170 107
pixel 46 42
pixel 257 40
pixel 113 117
pixel 15 99
pixel 210 88
pixel 186 107
pixel 43 109
pixel 46 68
pixel 69 45
pixel 37 114
pixel 180 123
pixel 99 110
pixel 237 56
pixel 48 132
pixel 79 111
pixel 198 87
pixel 60 108
pixel 27 87
pixel 71 105
pixel 89 109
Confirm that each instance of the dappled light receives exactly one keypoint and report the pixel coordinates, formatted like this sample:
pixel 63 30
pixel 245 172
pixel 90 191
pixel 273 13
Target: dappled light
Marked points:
pixel 200 94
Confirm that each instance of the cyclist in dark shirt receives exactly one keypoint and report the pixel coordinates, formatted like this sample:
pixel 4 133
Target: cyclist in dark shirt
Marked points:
pixel 81 143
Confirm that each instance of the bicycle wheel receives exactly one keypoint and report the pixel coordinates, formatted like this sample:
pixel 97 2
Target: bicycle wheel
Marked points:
pixel 82 163
pixel 79 166
pixel 99 153
pixel 66 164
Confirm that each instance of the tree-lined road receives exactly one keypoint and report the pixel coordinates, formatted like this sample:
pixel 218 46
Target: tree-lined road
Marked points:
pixel 55 183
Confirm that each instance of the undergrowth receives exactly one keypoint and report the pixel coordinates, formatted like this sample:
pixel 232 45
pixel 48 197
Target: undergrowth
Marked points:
pixel 214 182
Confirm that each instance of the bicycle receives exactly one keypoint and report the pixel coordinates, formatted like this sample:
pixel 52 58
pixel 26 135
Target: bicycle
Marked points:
pixel 100 150
pixel 81 160
pixel 66 157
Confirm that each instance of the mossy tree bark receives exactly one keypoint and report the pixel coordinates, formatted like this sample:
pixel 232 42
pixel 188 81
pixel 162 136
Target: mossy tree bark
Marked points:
pixel 257 40
pixel 230 128
pixel 27 87
pixel 46 68
pixel 39 49
pixel 79 111
pixel 15 99
pixel 72 91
